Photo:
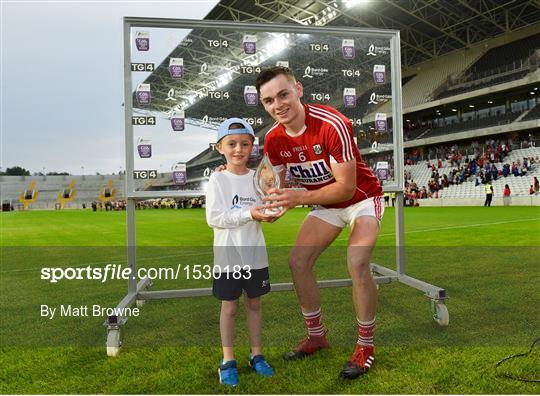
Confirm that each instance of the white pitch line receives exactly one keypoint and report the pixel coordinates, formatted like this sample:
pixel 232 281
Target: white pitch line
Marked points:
pixel 457 227
pixel 437 229
pixel 271 246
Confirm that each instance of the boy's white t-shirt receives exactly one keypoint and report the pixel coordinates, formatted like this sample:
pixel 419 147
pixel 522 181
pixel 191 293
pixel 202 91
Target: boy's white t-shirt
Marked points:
pixel 238 239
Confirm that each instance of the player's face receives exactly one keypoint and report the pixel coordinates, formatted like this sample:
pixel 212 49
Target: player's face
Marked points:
pixel 281 99
pixel 236 148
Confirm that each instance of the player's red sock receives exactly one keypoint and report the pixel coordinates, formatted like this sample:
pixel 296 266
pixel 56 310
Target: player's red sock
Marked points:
pixel 314 323
pixel 365 332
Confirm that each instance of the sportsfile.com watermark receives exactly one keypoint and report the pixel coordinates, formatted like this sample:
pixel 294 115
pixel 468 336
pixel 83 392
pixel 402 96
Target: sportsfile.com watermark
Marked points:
pixel 119 272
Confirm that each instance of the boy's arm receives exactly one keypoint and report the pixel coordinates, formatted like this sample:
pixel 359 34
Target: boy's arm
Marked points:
pixel 218 212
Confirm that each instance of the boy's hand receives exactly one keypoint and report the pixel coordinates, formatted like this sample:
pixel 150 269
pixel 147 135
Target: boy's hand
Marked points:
pixel 221 168
pixel 258 215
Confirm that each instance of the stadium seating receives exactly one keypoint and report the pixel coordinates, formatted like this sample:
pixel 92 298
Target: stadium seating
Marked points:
pixel 434 130
pixel 501 64
pixel 533 114
pixel 421 86
pixel 421 174
pixel 519 186
pixel 504 55
pixel 485 82
pixel 416 133
pixel 499 119
pixel 420 89
pixel 88 188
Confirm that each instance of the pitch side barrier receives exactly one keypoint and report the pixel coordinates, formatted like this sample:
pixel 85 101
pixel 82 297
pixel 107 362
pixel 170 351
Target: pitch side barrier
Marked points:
pixel 209 75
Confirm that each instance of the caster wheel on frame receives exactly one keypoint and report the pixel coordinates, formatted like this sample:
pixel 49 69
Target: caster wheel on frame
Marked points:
pixel 440 313
pixel 113 342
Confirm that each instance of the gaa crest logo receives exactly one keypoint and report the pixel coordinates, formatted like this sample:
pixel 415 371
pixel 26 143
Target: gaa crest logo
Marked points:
pixel 317 149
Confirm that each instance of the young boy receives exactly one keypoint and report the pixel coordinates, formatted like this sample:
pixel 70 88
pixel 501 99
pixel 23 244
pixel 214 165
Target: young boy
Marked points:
pixel 240 259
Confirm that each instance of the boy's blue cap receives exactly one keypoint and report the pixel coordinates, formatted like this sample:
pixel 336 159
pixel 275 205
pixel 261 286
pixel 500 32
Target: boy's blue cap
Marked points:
pixel 223 129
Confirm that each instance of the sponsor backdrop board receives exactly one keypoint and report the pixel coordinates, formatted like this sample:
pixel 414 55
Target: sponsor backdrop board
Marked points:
pixel 210 75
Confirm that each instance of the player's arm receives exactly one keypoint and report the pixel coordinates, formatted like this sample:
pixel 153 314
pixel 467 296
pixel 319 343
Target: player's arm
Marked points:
pixel 342 190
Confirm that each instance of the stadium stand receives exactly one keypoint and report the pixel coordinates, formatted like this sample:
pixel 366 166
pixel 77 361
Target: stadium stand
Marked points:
pixel 421 173
pixel 424 79
pixel 504 56
pixel 498 119
pixel 421 89
pixel 451 74
pixel 504 63
pixel 88 188
pixel 430 128
pixel 533 114
pixel 485 82
pixel 444 67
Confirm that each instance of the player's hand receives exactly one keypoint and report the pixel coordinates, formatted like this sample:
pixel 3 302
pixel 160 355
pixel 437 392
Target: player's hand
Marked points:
pixel 258 214
pixel 221 168
pixel 284 198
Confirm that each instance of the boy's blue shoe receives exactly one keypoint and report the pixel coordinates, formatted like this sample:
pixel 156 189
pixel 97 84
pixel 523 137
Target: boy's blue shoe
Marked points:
pixel 261 366
pixel 228 374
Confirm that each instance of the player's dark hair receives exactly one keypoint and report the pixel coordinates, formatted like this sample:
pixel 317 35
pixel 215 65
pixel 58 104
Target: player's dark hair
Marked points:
pixel 268 74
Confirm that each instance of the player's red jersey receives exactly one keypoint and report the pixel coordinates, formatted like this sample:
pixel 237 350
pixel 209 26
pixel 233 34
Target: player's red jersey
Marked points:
pixel 327 138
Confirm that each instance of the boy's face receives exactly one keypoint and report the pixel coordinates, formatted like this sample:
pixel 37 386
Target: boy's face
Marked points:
pixel 281 99
pixel 236 148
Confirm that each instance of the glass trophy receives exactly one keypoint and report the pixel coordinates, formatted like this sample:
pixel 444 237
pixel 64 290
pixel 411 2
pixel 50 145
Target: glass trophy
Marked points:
pixel 265 179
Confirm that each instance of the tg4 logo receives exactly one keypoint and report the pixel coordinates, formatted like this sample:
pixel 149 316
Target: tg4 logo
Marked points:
pixel 221 95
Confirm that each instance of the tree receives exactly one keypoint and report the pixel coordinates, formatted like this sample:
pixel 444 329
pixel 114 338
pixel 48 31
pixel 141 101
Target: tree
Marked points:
pixel 17 171
pixel 57 174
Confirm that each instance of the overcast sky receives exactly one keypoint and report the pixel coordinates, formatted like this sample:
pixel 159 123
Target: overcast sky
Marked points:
pixel 62 83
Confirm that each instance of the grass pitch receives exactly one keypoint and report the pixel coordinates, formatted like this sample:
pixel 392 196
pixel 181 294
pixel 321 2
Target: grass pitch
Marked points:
pixel 486 258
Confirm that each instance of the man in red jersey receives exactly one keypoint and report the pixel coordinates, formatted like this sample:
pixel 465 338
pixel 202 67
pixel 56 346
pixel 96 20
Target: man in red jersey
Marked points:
pixel 315 144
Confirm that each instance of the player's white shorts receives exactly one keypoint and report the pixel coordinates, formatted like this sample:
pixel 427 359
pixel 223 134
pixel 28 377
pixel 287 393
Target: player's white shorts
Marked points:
pixel 345 216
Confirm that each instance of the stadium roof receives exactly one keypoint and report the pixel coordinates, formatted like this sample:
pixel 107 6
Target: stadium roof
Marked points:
pixel 428 28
